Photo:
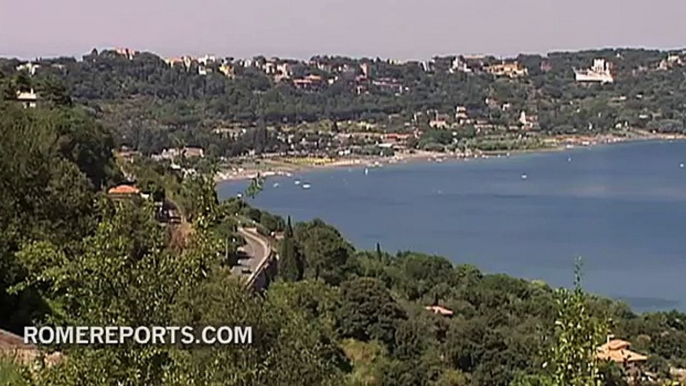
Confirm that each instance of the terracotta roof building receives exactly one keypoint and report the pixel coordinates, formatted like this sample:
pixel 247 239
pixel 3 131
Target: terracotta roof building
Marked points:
pixel 124 190
pixel 13 346
pixel 617 350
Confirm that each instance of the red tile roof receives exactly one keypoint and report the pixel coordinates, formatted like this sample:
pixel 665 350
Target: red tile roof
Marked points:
pixel 124 190
pixel 617 350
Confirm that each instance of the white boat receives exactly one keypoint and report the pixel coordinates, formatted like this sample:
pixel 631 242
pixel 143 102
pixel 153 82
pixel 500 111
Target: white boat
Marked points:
pixel 306 186
pixel 297 182
pixel 239 195
pixel 276 184
pixel 569 159
pixel 681 165
pixel 524 176
pixel 366 171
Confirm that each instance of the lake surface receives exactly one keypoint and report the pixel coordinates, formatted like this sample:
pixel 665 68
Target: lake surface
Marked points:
pixel 621 207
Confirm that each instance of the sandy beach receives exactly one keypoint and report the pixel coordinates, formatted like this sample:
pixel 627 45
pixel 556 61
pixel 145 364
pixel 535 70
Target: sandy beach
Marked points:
pixel 286 166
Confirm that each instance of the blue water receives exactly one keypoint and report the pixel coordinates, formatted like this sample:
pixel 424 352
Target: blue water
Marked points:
pixel 621 207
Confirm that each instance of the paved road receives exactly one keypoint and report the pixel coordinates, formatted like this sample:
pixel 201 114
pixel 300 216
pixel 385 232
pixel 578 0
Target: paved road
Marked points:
pixel 257 251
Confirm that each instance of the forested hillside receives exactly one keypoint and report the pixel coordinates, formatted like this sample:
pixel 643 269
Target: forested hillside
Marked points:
pixel 151 104
pixel 334 315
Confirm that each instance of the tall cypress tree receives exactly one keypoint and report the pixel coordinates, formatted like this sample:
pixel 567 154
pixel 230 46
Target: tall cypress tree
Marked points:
pixel 291 266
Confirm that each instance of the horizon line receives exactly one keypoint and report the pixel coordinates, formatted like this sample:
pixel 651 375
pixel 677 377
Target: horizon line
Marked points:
pixel 194 53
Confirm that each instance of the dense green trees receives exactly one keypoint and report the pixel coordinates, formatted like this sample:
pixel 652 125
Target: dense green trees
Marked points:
pixel 368 311
pixel 293 342
pixel 326 254
pixel 70 255
pixel 578 334
pixel 51 163
pixel 149 104
pixel 291 265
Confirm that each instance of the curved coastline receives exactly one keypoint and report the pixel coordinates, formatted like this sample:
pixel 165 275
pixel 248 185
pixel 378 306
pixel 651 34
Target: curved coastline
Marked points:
pixel 621 215
pixel 286 168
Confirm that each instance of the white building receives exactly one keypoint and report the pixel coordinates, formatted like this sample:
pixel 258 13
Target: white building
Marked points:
pixel 187 61
pixel 428 66
pixel 366 69
pixel 461 114
pixel 29 67
pixel 459 65
pixel 207 59
pixel 270 68
pixel 28 99
pixel 245 63
pixel 127 52
pixel 601 72
pixel 670 62
pixel 284 70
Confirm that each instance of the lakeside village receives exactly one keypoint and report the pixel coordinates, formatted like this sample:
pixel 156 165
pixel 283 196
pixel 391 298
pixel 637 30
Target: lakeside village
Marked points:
pixel 331 143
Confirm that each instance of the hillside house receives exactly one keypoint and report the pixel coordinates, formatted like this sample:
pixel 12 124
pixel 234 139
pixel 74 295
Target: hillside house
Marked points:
pixel 670 62
pixel 29 67
pixel 13 346
pixel 126 52
pixel 309 82
pixel 440 310
pixel 617 350
pixel 228 70
pixel 461 115
pixel 123 192
pixel 600 72
pixel 27 98
pixel 459 65
pixel 507 69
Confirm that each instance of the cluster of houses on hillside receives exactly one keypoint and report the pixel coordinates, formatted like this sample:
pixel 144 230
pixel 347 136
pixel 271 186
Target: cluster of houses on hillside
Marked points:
pixel 600 71
pixel 322 71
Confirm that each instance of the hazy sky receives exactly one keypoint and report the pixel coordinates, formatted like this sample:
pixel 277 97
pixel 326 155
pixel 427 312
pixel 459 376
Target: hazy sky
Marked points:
pixel 402 29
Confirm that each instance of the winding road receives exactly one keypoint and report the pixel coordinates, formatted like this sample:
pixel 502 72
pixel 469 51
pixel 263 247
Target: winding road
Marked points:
pixel 257 252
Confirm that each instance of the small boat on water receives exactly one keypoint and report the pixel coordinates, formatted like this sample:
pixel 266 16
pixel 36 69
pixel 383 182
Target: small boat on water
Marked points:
pixel 297 182
pixel 524 176
pixel 366 171
pixel 681 165
pixel 306 186
pixel 276 184
pixel 239 195
pixel 569 159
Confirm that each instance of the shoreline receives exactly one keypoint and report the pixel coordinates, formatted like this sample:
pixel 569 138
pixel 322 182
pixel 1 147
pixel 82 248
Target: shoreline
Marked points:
pixel 282 167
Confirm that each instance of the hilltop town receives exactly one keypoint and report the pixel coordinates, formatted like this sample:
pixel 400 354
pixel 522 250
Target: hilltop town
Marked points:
pixel 276 114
